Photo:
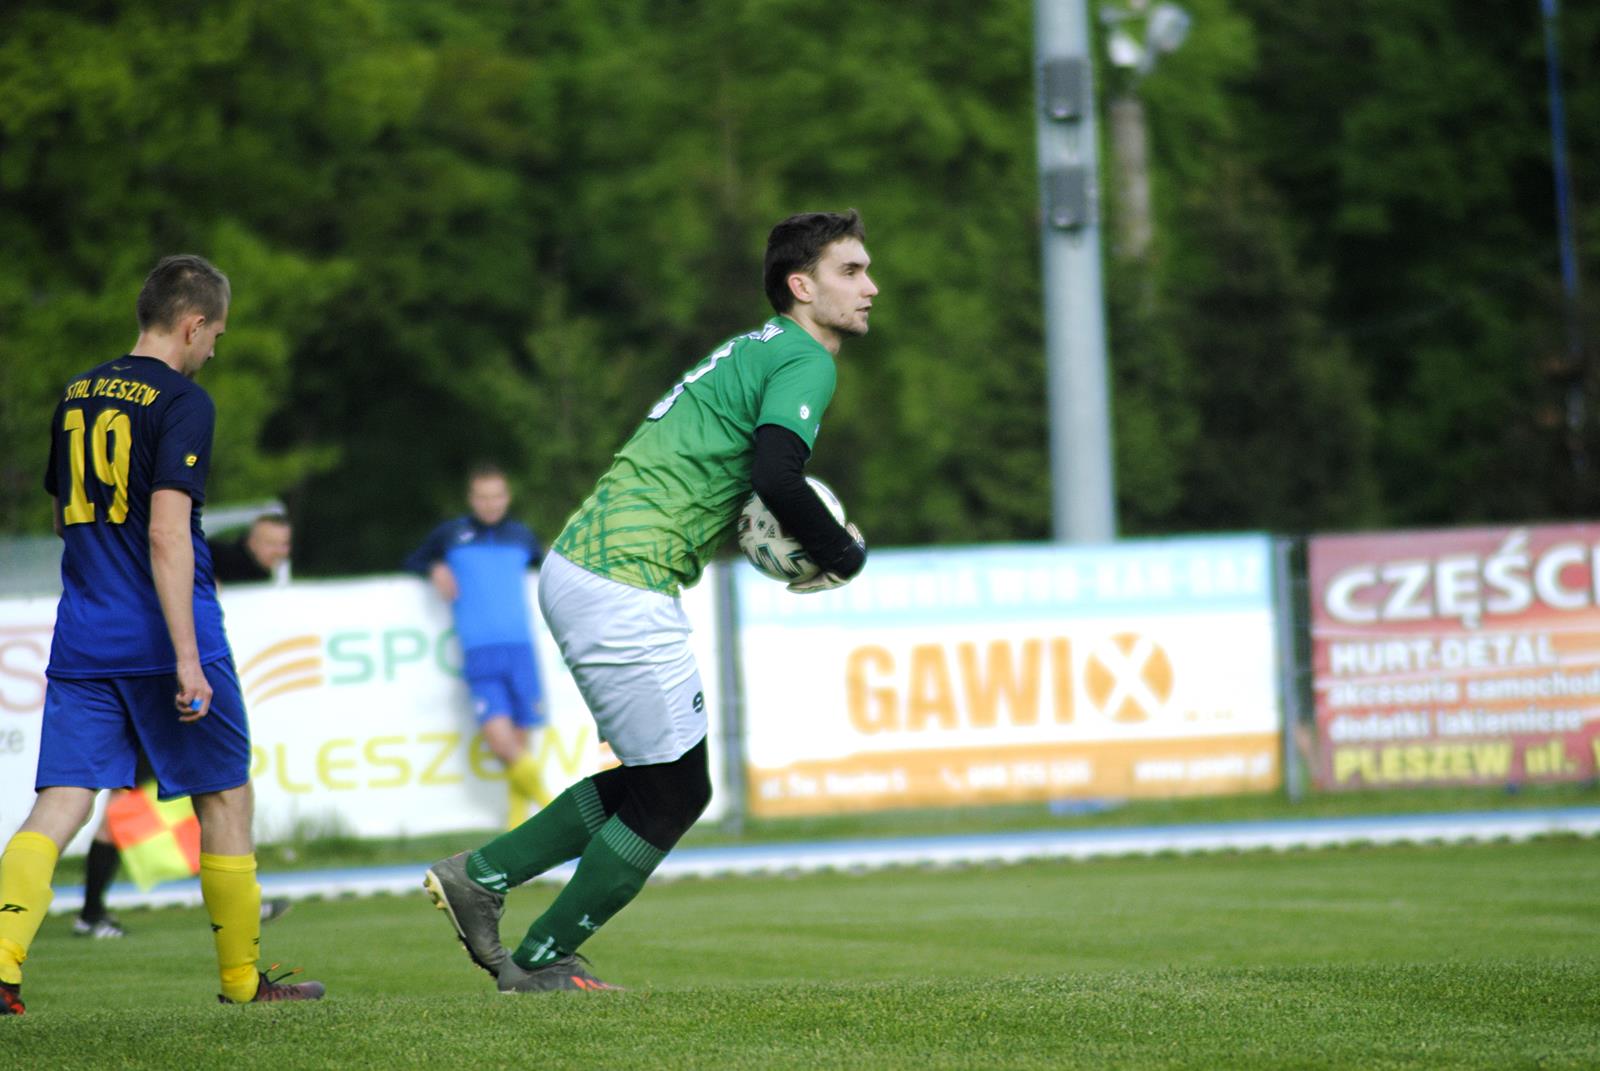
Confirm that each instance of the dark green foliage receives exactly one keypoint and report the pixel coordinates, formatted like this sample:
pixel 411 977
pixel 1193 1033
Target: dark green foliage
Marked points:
pixel 501 230
pixel 1410 143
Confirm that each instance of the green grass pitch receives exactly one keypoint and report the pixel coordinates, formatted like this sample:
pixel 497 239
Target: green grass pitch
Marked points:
pixel 1465 956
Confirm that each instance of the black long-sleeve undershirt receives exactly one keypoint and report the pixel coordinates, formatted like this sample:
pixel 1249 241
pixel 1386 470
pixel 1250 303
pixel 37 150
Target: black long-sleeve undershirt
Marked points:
pixel 779 477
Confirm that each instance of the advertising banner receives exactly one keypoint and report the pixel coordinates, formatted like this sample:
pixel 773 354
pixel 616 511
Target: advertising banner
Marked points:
pixel 953 676
pixel 1456 657
pixel 26 625
pixel 360 721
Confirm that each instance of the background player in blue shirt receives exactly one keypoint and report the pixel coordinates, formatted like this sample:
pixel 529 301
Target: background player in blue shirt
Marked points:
pixel 478 564
pixel 139 659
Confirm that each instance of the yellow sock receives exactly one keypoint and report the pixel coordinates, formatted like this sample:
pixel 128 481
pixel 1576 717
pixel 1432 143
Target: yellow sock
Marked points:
pixel 25 871
pixel 525 776
pixel 517 804
pixel 233 900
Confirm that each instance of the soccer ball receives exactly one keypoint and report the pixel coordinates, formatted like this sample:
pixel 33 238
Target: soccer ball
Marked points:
pixel 767 547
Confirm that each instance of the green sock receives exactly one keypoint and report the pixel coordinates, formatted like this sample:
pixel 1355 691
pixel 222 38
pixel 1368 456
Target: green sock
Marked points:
pixel 610 874
pixel 559 832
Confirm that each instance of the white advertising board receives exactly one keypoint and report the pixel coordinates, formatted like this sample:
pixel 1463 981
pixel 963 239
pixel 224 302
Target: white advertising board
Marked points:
pixel 26 625
pixel 940 677
pixel 359 719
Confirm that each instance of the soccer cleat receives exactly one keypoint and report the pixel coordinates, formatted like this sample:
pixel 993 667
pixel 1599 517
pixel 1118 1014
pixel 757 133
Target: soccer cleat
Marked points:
pixel 270 989
pixel 275 908
pixel 568 972
pixel 102 927
pixel 10 998
pixel 473 910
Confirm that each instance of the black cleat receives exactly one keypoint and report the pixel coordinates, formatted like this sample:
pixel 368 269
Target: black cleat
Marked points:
pixel 270 989
pixel 103 927
pixel 473 911
pixel 568 972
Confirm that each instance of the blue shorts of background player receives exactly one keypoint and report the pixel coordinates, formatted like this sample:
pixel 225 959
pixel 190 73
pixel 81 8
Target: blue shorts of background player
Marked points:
pixel 504 681
pixel 93 730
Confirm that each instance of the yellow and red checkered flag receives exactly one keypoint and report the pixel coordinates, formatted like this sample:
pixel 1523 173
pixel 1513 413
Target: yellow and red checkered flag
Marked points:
pixel 159 841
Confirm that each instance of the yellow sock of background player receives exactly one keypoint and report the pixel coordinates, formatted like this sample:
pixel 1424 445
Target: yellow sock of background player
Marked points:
pixel 233 900
pixel 25 871
pixel 526 776
pixel 517 805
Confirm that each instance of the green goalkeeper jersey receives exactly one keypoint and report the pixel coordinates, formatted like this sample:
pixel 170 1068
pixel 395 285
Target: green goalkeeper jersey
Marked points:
pixel 674 491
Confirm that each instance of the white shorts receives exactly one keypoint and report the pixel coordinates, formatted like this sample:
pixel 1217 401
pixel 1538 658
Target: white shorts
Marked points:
pixel 628 649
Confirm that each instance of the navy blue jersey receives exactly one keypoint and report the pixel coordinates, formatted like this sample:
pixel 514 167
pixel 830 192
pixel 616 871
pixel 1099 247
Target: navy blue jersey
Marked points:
pixel 489 563
pixel 124 430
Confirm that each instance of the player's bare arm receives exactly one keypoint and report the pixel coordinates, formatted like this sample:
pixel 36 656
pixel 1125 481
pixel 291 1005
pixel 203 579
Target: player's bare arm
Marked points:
pixel 172 567
pixel 443 581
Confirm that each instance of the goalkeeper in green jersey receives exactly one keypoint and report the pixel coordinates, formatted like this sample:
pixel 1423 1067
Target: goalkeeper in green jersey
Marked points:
pixel 744 417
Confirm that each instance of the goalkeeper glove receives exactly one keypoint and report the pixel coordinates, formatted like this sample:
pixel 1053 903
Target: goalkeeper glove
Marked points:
pixel 825 580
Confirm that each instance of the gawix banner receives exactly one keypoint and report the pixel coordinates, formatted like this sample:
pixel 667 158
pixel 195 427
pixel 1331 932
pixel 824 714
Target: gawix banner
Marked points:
pixel 1456 657
pixel 359 719
pixel 1144 668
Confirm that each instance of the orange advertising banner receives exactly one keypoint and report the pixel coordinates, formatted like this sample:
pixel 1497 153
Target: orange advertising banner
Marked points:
pixel 1469 656
pixel 976 675
pixel 1016 774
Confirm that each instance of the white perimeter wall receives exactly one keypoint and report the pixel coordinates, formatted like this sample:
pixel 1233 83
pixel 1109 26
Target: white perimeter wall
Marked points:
pixel 940 677
pixel 359 719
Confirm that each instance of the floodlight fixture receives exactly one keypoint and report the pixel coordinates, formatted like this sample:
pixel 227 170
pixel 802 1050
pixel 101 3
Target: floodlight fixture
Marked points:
pixel 1166 28
pixel 1166 25
pixel 1123 50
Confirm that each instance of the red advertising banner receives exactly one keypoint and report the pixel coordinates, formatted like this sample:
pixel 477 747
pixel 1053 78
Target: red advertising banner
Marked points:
pixel 1469 656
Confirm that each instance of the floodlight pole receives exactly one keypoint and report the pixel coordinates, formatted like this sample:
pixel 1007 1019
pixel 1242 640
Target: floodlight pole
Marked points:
pixel 1567 245
pixel 1082 497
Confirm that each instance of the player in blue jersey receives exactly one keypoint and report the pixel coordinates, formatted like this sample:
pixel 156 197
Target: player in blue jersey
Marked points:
pixel 479 564
pixel 139 660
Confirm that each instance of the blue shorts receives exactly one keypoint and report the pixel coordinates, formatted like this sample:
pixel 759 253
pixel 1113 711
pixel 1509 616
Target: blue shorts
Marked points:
pixel 504 681
pixel 94 730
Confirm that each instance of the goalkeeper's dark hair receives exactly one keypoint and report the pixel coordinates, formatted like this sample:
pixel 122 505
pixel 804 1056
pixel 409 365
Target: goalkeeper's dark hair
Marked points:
pixel 181 285
pixel 797 243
